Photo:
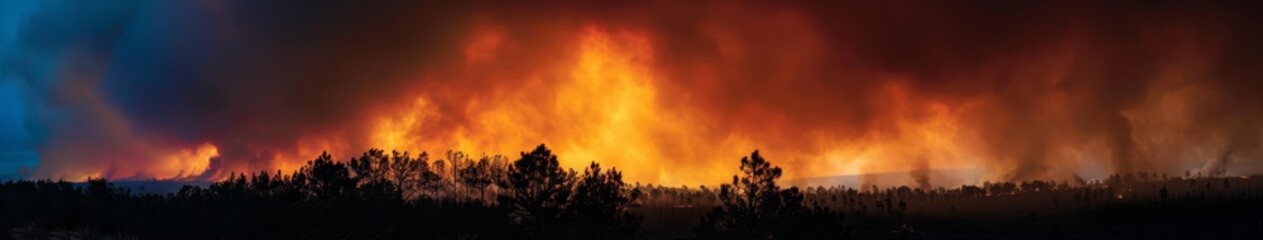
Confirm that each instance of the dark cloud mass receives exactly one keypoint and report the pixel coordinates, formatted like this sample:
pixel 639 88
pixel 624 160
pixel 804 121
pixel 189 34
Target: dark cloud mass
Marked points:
pixel 670 91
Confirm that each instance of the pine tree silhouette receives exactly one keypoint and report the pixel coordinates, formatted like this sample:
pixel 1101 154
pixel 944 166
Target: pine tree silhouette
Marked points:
pixel 754 207
pixel 539 192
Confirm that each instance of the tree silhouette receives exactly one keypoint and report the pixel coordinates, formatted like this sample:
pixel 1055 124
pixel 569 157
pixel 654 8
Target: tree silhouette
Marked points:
pixel 475 176
pixel 539 192
pixel 360 199
pixel 325 179
pixel 754 207
pixel 412 175
pixel 602 205
pixel 372 172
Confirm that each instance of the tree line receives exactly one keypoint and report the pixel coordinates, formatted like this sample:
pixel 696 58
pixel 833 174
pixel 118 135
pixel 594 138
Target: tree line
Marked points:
pixel 396 195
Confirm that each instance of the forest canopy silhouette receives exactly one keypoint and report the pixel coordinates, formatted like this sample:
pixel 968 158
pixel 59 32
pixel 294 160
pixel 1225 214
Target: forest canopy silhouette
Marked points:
pixel 666 91
pixel 397 195
pixel 977 119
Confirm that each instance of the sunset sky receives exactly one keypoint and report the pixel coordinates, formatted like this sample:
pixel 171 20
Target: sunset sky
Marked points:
pixel 669 92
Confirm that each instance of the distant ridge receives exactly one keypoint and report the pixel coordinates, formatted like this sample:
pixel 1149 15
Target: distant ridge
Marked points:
pixel 152 186
pixel 136 186
pixel 938 178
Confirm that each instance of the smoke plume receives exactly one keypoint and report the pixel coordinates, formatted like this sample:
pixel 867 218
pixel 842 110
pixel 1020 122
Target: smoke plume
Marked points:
pixel 669 92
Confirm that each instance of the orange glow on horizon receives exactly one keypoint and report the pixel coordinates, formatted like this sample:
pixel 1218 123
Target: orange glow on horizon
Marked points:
pixel 604 106
pixel 673 98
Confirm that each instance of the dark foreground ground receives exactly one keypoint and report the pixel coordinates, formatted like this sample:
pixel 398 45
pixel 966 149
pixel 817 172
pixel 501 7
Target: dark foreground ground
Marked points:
pixel 1170 208
pixel 395 196
pixel 1123 207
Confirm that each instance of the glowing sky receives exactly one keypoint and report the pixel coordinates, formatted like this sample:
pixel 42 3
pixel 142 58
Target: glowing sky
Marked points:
pixel 669 92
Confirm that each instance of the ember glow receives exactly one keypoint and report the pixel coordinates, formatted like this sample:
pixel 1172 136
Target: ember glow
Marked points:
pixel 670 93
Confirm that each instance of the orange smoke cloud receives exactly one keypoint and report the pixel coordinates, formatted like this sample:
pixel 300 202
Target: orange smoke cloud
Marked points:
pixel 671 93
pixel 597 103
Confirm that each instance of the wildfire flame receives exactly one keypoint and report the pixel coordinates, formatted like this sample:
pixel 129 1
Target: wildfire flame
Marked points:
pixel 939 94
pixel 605 106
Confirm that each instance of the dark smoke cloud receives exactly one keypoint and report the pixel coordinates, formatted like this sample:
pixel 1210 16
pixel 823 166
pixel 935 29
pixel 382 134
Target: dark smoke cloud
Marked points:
pixel 1046 88
pixel 1052 75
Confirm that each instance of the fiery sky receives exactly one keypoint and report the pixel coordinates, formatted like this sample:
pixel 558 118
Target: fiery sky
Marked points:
pixel 669 92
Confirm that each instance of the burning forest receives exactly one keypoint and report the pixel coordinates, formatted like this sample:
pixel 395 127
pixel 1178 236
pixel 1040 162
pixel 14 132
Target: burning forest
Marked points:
pixel 639 119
